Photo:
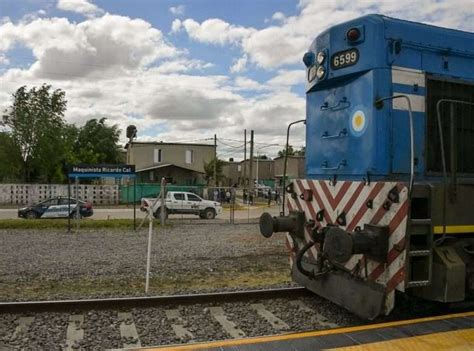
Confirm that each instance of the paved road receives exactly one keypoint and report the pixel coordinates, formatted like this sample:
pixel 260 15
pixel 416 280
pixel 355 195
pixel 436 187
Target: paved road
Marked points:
pixel 116 213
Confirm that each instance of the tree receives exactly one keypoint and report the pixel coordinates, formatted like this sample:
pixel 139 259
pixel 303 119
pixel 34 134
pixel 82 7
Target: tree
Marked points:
pixel 36 120
pixel 281 153
pixel 9 156
pixel 37 143
pixel 98 143
pixel 209 169
pixel 262 157
pixel 292 152
pixel 301 152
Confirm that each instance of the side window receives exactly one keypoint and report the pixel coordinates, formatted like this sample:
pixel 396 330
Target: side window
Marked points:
pixel 179 196
pixel 192 197
pixel 50 202
pixel 189 156
pixel 157 155
pixel 65 201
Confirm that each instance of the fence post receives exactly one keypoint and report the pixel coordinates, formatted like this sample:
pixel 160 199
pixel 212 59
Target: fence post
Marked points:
pixel 78 215
pixel 163 204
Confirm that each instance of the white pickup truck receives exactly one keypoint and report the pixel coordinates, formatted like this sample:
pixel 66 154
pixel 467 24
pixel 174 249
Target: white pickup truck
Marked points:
pixel 183 203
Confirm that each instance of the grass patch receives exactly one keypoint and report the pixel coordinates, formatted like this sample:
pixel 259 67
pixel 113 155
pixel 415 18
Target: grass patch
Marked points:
pixel 40 289
pixel 62 223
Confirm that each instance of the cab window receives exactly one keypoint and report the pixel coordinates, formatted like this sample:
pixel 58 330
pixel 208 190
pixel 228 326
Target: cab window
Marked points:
pixel 179 196
pixel 192 197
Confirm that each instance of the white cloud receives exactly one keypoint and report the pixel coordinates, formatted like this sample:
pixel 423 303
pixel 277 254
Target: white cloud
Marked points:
pixel 244 83
pixel 216 31
pixel 176 25
pixel 278 16
pixel 176 105
pixel 270 114
pixel 177 10
pixel 272 47
pixel 4 20
pixel 126 70
pixel 84 7
pixel 99 46
pixel 288 78
pixel 4 60
pixel 239 65
pixel 284 44
pixel 182 65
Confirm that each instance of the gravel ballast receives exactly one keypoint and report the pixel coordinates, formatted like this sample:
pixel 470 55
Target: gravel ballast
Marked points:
pixel 52 264
pixel 46 265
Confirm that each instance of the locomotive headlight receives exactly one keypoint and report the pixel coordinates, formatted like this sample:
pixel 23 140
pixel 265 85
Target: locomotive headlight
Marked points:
pixel 312 73
pixel 321 72
pixel 321 56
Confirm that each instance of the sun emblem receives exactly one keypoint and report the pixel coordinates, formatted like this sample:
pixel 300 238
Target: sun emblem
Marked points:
pixel 358 122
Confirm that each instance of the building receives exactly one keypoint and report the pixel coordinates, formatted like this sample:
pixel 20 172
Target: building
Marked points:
pixel 262 170
pixel 231 171
pixel 295 167
pixel 179 163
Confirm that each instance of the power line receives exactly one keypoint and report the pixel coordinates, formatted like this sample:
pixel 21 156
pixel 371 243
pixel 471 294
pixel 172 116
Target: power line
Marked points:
pixel 233 146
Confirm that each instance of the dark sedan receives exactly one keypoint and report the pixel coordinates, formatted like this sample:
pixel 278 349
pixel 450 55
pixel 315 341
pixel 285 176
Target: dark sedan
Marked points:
pixel 57 207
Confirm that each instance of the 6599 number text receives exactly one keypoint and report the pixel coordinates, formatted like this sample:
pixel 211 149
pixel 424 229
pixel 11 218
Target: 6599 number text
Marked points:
pixel 344 58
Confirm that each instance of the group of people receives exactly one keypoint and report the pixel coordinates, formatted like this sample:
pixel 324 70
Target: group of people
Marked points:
pixel 275 196
pixel 224 195
pixel 227 195
pixel 248 197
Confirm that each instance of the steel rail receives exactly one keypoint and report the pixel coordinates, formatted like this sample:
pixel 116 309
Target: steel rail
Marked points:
pixel 149 301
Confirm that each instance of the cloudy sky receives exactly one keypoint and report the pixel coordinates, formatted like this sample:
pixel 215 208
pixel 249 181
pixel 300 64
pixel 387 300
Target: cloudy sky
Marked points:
pixel 184 70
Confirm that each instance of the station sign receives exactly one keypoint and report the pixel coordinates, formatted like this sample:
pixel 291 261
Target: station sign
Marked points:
pixel 101 170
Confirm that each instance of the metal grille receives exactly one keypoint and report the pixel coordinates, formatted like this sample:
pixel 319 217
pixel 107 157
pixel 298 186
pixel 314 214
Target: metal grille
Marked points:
pixel 463 131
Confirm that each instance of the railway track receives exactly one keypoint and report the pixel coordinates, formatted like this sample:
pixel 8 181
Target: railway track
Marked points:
pixel 115 323
pixel 144 321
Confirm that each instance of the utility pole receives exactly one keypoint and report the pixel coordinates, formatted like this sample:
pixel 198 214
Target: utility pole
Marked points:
pixel 245 158
pixel 251 162
pixel 215 160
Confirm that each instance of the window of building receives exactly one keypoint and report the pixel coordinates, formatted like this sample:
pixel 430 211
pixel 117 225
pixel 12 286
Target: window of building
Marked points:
pixel 157 155
pixel 192 197
pixel 179 196
pixel 189 156
pixel 239 168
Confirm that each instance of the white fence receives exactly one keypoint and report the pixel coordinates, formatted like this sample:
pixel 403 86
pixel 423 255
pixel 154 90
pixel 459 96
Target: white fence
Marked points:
pixel 24 194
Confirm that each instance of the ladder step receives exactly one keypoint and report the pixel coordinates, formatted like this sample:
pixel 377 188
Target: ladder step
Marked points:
pixel 419 253
pixel 420 226
pixel 418 283
pixel 421 221
pixel 423 192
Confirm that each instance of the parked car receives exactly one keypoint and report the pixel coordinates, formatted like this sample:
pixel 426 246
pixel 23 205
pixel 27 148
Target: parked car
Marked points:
pixel 180 202
pixel 56 207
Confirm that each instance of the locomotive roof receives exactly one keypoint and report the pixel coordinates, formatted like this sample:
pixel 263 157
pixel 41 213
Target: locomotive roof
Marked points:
pixel 426 35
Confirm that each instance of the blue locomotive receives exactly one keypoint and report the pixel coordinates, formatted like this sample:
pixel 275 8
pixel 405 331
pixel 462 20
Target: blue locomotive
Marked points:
pixel 388 201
